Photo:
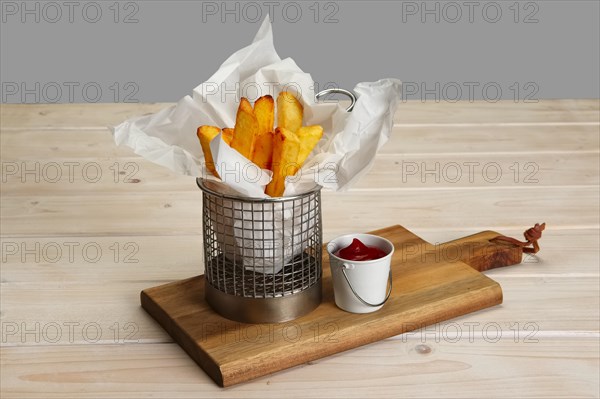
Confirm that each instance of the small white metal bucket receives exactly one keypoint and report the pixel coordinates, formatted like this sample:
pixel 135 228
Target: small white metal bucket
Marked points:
pixel 360 286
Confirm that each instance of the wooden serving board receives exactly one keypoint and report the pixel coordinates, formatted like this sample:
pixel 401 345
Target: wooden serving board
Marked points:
pixel 431 283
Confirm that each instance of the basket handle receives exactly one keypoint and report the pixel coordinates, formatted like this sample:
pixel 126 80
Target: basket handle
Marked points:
pixel 345 92
pixel 387 296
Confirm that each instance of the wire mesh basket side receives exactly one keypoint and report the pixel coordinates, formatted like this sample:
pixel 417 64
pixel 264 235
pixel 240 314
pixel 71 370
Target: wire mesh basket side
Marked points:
pixel 262 249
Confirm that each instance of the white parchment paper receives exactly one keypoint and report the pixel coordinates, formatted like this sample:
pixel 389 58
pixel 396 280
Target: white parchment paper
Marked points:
pixel 347 150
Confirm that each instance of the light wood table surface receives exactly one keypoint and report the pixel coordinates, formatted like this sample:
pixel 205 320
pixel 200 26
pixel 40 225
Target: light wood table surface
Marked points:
pixel 86 226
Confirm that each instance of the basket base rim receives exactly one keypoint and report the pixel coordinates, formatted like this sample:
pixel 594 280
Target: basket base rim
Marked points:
pixel 264 310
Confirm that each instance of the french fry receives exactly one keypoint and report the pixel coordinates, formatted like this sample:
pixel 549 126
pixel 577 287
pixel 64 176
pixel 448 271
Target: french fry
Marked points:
pixel 283 151
pixel 309 137
pixel 227 135
pixel 264 109
pixel 262 151
pixel 286 147
pixel 246 128
pixel 206 134
pixel 289 112
pixel 262 154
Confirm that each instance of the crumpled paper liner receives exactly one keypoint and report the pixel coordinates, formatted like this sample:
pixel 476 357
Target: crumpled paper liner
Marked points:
pixel 347 150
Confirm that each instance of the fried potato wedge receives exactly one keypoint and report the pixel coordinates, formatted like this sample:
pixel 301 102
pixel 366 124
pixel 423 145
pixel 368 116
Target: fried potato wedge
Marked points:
pixel 262 153
pixel 246 128
pixel 286 146
pixel 264 109
pixel 309 137
pixel 227 135
pixel 289 112
pixel 206 134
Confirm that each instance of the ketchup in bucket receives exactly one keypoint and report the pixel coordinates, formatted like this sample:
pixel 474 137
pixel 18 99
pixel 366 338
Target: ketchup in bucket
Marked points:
pixel 357 251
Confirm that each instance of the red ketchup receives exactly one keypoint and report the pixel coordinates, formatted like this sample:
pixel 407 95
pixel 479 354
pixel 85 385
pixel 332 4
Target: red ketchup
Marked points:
pixel 357 251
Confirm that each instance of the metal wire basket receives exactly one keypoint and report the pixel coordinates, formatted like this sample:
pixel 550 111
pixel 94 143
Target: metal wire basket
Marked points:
pixel 262 256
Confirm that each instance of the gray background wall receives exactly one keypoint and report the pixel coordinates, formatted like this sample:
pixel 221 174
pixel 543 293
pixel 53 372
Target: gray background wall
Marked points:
pixel 107 51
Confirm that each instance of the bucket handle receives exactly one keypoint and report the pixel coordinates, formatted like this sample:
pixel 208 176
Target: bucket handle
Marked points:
pixel 374 305
pixel 345 92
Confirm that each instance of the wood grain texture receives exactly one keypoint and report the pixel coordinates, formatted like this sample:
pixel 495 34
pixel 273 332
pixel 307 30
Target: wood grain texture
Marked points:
pixel 541 366
pixel 426 291
pixel 498 113
pixel 398 172
pixel 38 144
pixel 38 305
pixel 168 213
pixel 475 250
pixel 410 112
pixel 69 116
pixel 553 295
